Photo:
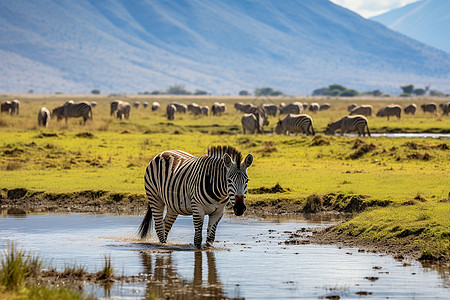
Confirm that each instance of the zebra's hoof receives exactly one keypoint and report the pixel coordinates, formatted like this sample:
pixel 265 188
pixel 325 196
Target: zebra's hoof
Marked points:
pixel 198 246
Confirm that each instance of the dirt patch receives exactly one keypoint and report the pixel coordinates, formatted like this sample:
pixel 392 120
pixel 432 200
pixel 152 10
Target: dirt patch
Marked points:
pixel 85 135
pixel 361 148
pixel 273 190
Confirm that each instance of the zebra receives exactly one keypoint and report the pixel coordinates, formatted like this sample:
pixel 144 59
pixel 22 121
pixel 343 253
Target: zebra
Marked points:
pixel 429 107
pixel 123 110
pixel 271 109
pixel 170 111
pixel 156 106
pixel 6 107
pixel 348 124
pixel 245 108
pixel 293 108
pixel 181 107
pixel 15 104
pixel 194 108
pixel 390 110
pixel 410 109
pixel 93 104
pixel 136 104
pixel 314 107
pixel 294 123
pixel 205 110
pixel 114 106
pixel 252 123
pixel 43 117
pixel 73 110
pixel 445 108
pixel 184 184
pixel 145 104
pixel 325 106
pixel 238 106
pixel 351 107
pixel 218 108
pixel 365 110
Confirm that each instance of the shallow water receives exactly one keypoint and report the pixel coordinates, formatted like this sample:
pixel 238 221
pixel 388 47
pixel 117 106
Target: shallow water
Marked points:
pixel 250 260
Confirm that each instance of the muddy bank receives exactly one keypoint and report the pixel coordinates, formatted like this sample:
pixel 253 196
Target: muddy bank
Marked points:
pixel 22 201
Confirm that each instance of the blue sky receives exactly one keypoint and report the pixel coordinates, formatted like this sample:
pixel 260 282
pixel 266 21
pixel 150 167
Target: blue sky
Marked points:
pixel 370 8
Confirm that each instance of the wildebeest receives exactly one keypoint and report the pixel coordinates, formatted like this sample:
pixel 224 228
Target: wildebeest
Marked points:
pixel 181 107
pixel 365 110
pixel 314 107
pixel 429 107
pixel 6 107
pixel 194 108
pixel 271 109
pixel 15 104
pixel 349 124
pixel 170 111
pixel 156 106
pixel 114 106
pixel 324 106
pixel 218 108
pixel 410 109
pixel 73 110
pixel 390 110
pixel 43 117
pixel 445 108
pixel 123 110
pixel 292 108
pixel 294 123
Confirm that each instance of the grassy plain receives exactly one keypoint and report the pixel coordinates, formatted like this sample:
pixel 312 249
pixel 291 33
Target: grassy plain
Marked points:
pixel 409 175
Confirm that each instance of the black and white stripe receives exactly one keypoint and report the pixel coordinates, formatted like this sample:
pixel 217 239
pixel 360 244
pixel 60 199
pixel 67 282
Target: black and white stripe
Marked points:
pixel 73 110
pixel 349 124
pixel 44 117
pixel 295 124
pixel 187 185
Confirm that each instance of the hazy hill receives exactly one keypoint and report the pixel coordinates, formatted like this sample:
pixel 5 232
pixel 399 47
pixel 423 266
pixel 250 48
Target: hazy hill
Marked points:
pixel 221 46
pixel 427 21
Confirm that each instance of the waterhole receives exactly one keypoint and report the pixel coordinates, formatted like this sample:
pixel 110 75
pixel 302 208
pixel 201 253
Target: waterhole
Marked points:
pixel 252 259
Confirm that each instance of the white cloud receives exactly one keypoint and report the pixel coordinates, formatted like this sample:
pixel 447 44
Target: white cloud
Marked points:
pixel 370 8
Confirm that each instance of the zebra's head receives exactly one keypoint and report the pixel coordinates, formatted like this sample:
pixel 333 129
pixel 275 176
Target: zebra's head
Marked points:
pixel 279 128
pixel 237 179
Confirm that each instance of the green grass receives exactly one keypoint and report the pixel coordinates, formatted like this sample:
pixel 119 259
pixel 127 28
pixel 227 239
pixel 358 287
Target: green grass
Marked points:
pixel 111 155
pixel 425 226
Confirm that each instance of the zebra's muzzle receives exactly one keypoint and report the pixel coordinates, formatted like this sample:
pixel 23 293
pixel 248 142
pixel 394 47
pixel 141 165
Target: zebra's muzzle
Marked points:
pixel 239 206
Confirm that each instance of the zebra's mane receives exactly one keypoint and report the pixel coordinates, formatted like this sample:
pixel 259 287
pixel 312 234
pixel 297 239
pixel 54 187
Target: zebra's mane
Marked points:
pixel 219 151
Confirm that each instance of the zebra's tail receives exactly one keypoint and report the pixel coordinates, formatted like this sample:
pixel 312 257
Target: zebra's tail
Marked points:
pixel 146 224
pixel 90 113
pixel 368 131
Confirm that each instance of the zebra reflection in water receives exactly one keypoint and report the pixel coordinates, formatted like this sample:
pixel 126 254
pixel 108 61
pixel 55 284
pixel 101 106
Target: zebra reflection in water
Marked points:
pixel 165 282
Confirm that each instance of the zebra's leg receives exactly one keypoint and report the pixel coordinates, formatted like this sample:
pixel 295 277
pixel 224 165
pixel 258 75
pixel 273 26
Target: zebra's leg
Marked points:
pixel 158 214
pixel 214 219
pixel 198 216
pixel 169 219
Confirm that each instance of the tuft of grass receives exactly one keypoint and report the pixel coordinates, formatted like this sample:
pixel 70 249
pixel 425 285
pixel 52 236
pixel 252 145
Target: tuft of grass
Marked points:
pixel 107 273
pixel 16 266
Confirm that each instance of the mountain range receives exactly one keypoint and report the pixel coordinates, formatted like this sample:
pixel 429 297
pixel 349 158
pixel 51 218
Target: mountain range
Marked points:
pixel 427 21
pixel 220 46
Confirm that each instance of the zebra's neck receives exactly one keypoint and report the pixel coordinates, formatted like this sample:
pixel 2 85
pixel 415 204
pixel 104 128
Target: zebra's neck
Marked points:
pixel 210 182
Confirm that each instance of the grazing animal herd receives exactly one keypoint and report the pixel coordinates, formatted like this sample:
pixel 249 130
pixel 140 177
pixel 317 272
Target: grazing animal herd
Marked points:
pixel 254 117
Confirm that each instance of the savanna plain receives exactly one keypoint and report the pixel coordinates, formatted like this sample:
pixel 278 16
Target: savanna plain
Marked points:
pixel 394 191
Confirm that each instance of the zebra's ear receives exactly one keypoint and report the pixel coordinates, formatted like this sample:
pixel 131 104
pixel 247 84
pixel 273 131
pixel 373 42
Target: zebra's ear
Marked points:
pixel 227 160
pixel 248 161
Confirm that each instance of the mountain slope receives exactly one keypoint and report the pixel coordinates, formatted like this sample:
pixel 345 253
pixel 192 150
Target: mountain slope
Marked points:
pixel 214 45
pixel 427 21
